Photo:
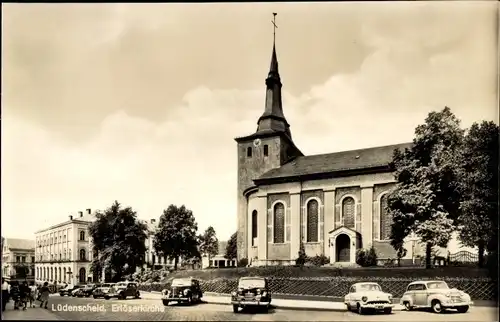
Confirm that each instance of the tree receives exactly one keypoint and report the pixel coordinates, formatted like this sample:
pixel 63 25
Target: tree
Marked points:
pixel 119 239
pixel 208 243
pixel 478 220
pixel 232 246
pixel 176 234
pixel 426 198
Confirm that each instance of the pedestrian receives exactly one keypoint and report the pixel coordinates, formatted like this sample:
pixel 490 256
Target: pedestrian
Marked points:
pixel 24 293
pixel 33 295
pixel 14 293
pixel 45 292
pixel 5 293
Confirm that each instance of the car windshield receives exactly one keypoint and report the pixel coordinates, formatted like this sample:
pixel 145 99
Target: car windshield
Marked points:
pixel 369 287
pixel 121 284
pixel 106 285
pixel 89 286
pixel 181 282
pixel 437 285
pixel 252 283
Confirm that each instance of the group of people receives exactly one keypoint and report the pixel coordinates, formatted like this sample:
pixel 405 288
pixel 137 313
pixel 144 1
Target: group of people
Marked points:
pixel 22 294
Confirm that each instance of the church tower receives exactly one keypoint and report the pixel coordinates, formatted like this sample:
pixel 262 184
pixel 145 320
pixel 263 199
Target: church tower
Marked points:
pixel 268 148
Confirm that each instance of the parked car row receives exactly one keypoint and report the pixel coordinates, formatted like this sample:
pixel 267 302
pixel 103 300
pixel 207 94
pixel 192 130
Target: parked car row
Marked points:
pixel 362 297
pixel 120 290
pixel 436 295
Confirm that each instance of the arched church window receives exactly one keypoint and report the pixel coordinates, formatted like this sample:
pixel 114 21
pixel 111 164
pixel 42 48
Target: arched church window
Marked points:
pixel 312 221
pixel 266 150
pixel 82 235
pixel 249 152
pixel 385 219
pixel 279 223
pixel 348 208
pixel 254 228
pixel 82 254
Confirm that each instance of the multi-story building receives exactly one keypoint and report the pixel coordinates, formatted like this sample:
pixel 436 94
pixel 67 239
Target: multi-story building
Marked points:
pixel 152 260
pixel 64 251
pixel 18 259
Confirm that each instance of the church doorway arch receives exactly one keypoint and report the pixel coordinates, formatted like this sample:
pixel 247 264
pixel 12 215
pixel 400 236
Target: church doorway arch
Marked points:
pixel 83 277
pixel 343 248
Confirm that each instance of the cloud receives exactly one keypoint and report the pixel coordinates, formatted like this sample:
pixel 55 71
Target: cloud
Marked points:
pixel 147 141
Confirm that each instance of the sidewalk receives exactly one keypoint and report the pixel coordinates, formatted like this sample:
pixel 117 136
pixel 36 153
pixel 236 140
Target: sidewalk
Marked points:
pixel 36 313
pixel 284 304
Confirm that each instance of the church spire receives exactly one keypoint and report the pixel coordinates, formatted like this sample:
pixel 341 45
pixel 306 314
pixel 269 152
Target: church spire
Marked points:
pixel 273 118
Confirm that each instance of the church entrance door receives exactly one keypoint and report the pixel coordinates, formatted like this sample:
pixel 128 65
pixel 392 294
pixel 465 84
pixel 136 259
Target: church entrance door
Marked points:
pixel 343 248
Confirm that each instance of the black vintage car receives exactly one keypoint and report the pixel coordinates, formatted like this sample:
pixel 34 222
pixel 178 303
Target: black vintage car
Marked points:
pixel 182 290
pixel 87 290
pixel 122 290
pixel 252 292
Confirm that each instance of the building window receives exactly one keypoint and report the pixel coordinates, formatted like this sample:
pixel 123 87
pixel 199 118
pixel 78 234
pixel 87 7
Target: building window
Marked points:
pixel 82 254
pixel 153 259
pixel 18 259
pixel 211 263
pixel 64 274
pixel 266 150
pixel 23 259
pixel 249 152
pixel 312 221
pixel 32 259
pixel 348 209
pixel 82 235
pixel 385 219
pixel 279 223
pixel 254 227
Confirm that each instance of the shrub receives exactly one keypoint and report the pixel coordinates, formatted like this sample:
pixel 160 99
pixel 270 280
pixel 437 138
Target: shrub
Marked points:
pixel 302 257
pixel 243 262
pixel 366 258
pixel 318 260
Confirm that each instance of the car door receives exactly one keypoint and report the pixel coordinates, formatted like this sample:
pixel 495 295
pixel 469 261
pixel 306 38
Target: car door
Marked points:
pixel 420 295
pixel 410 293
pixel 350 296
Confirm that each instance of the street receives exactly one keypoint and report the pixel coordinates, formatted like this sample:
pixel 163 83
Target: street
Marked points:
pixel 123 310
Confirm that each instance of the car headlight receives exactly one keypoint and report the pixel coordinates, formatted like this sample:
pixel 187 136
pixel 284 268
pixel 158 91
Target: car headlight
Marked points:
pixel 233 294
pixel 264 294
pixel 258 291
pixel 163 292
pixel 364 299
pixel 186 292
pixel 390 297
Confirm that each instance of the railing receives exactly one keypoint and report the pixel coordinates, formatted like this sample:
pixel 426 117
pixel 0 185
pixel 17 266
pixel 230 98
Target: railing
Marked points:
pixel 477 288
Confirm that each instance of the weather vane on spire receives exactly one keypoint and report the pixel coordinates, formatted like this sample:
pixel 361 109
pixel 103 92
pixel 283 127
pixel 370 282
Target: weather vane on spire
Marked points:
pixel 274 23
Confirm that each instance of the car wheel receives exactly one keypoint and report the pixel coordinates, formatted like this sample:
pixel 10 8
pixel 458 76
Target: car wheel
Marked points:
pixel 463 309
pixel 95 296
pixel 348 307
pixel 235 308
pixel 388 310
pixel 407 306
pixel 137 295
pixel 437 307
pixel 360 309
pixel 106 297
pixel 165 302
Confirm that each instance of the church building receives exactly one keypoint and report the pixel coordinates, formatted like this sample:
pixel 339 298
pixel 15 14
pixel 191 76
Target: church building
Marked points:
pixel 332 203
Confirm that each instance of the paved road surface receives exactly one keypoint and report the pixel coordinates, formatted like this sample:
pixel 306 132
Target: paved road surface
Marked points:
pixel 215 312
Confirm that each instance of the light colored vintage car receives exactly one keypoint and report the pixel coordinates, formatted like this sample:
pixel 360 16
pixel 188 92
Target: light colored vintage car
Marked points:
pixel 367 296
pixel 435 295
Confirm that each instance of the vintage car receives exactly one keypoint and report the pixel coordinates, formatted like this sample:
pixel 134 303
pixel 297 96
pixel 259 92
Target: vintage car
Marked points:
pixel 122 290
pixel 365 296
pixel 252 291
pixel 182 290
pixel 68 290
pixel 435 295
pixel 102 290
pixel 87 290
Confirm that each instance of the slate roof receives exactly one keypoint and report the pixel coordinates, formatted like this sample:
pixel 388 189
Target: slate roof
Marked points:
pixel 336 162
pixel 17 243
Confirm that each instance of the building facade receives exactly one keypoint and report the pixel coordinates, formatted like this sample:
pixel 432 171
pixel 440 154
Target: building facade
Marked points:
pixel 18 259
pixel 219 260
pixel 332 203
pixel 64 252
pixel 152 260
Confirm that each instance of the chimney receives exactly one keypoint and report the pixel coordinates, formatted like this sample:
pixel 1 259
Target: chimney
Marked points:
pixel 153 221
pixel 89 211
pixel 81 213
pixel 70 217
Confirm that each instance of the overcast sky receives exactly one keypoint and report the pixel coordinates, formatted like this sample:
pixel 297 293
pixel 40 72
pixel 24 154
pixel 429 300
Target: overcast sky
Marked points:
pixel 140 103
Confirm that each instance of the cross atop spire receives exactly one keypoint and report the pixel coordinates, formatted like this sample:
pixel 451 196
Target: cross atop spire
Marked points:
pixel 273 70
pixel 274 30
